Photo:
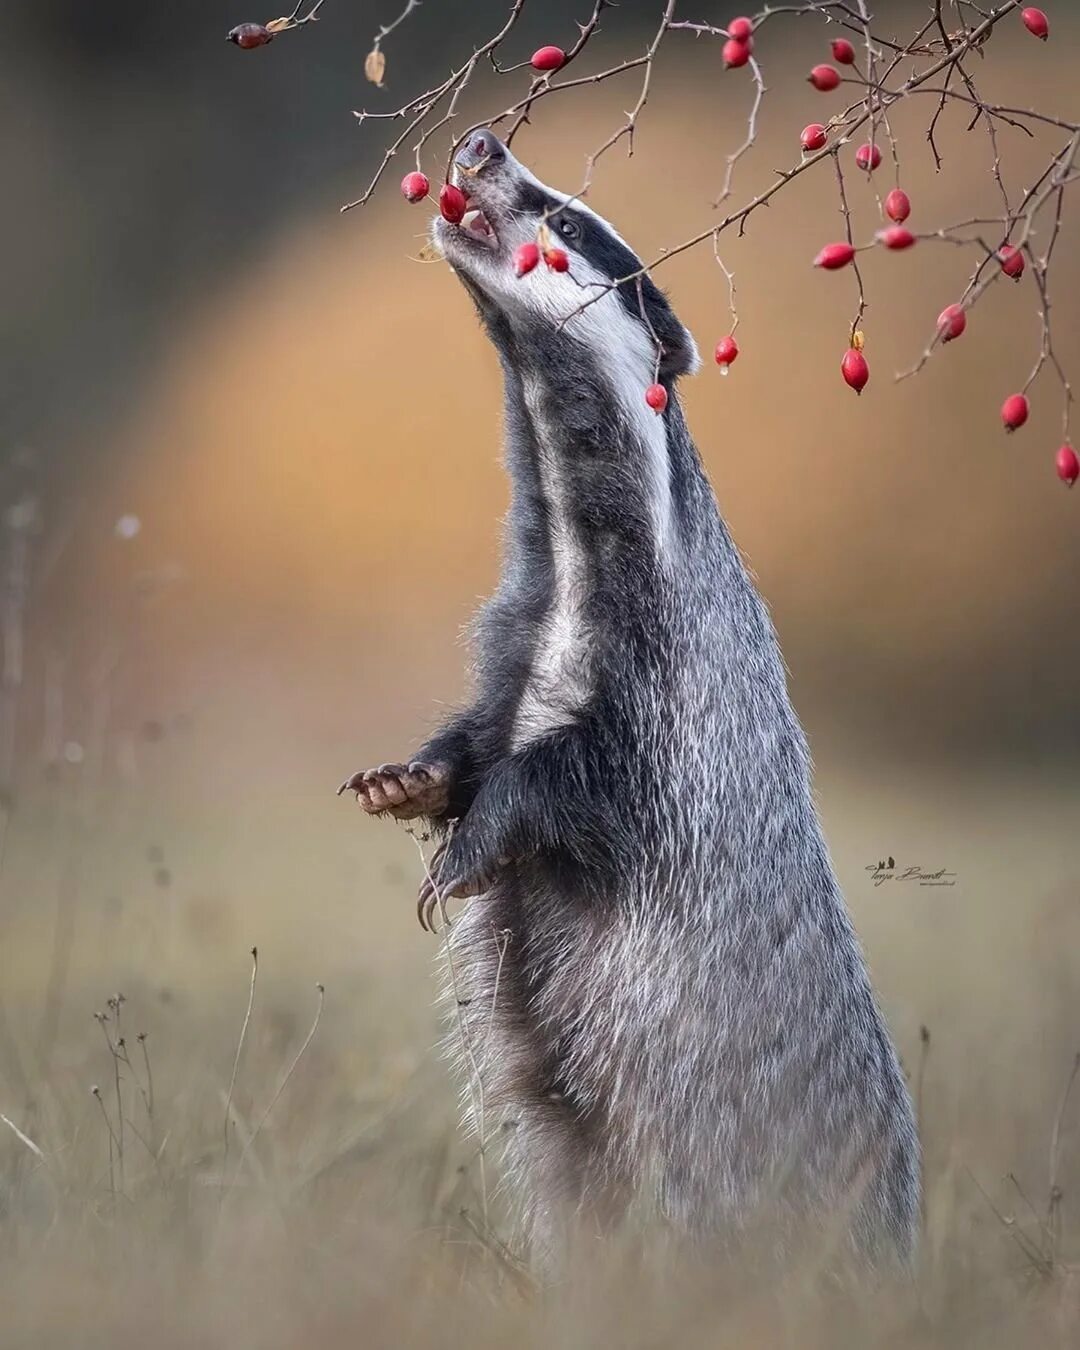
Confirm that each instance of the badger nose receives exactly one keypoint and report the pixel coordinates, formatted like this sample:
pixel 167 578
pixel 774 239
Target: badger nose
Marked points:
pixel 480 147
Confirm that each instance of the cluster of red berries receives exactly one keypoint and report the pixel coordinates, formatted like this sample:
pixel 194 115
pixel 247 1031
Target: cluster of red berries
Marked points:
pixel 897 205
pixel 416 186
pixel 740 43
pixel 1014 413
pixel 825 77
pixel 727 349
pixel 527 256
pixel 452 207
pixel 952 321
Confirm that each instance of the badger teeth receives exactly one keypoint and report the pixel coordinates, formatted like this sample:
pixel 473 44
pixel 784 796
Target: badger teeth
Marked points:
pixel 476 224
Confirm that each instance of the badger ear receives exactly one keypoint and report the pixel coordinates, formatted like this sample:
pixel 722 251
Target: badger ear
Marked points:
pixel 680 354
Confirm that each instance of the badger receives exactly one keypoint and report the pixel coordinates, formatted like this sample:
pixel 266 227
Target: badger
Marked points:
pixel 660 1002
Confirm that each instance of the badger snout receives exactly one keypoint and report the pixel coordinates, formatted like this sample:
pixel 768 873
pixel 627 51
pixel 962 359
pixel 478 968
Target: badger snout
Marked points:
pixel 482 150
pixel 484 170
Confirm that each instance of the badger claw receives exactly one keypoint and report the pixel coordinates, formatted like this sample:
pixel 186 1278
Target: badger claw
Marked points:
pixel 435 890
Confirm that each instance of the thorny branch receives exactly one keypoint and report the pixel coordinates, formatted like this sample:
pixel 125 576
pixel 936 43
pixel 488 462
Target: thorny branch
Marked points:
pixel 942 46
pixel 849 234
pixel 294 20
pixel 387 28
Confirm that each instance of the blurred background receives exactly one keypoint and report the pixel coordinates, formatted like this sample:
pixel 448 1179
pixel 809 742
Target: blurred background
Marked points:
pixel 251 489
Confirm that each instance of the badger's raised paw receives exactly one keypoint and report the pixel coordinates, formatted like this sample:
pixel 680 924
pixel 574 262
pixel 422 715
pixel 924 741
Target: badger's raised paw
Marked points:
pixel 404 791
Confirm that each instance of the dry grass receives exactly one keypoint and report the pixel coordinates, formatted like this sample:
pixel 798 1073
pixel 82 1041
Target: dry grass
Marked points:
pixel 341 1201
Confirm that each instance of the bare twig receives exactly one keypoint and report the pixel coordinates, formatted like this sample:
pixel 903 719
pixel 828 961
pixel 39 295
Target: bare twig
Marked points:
pixel 1053 1202
pixel 240 1046
pixel 294 20
pixel 22 1138
pixel 845 211
pixel 388 28
pixel 751 133
pixel 427 103
pixel 249 1143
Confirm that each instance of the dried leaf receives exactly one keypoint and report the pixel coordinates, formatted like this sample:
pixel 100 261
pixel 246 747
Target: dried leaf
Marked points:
pixel 277 25
pixel 858 338
pixel 375 66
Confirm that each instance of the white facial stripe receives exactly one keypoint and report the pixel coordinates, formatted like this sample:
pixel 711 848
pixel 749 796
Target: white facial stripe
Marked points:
pixel 626 353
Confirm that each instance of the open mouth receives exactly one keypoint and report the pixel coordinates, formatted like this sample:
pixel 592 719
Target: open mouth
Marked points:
pixel 477 226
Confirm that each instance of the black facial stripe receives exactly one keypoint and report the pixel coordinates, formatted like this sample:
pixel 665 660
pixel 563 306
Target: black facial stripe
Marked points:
pixel 611 258
pixel 532 200
pixel 595 243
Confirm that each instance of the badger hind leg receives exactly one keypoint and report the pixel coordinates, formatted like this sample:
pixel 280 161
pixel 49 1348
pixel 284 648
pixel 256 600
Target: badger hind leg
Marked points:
pixel 559 1171
pixel 568 1189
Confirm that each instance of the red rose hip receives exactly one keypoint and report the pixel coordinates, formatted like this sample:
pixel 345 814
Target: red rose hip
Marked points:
pixel 834 256
pixel 735 54
pixel 855 370
pixel 897 237
pixel 1012 261
pixel 824 78
pixel 452 204
pixel 415 186
pixel 1014 412
pixel 526 256
pixel 727 349
pixel 1068 466
pixel 951 322
pixel 548 59
pixel 868 156
pixel 556 259
pixel 740 29
pixel 248 35
pixel 843 51
pixel 1035 21
pixel 813 137
pixel 656 397
pixel 898 205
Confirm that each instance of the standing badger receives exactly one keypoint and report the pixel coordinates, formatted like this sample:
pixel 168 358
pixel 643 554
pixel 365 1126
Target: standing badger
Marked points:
pixel 659 987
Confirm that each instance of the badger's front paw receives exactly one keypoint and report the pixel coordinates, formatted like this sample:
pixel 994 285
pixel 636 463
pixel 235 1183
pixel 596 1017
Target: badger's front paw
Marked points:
pixel 458 869
pixel 404 791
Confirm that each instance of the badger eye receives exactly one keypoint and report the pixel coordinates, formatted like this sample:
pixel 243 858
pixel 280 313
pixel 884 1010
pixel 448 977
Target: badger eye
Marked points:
pixel 569 229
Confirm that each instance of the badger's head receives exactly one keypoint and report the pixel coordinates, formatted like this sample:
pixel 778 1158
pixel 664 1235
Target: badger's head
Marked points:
pixel 507 207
